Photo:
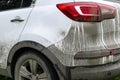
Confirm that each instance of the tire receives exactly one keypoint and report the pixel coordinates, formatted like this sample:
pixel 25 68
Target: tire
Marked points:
pixel 32 66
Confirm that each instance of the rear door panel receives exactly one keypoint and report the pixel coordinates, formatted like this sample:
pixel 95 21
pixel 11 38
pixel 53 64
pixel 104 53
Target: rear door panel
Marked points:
pixel 10 31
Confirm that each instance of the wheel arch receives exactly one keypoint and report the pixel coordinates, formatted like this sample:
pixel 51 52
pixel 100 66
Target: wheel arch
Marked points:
pixel 25 45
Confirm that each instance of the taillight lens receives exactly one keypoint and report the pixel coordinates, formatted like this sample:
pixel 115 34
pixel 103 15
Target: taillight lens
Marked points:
pixel 87 11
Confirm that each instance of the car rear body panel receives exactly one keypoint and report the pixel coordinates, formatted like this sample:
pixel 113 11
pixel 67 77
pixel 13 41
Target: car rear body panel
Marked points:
pixel 63 37
pixel 89 36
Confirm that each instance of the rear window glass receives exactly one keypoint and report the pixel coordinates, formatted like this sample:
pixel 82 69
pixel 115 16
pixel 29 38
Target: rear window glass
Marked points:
pixel 13 4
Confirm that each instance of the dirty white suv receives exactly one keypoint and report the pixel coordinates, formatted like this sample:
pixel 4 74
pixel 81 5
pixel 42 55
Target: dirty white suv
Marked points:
pixel 60 39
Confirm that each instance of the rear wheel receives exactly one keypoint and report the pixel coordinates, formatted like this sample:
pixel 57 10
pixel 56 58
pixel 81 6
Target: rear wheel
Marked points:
pixel 31 66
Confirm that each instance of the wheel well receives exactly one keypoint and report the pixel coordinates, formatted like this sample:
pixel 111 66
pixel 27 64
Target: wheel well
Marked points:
pixel 19 52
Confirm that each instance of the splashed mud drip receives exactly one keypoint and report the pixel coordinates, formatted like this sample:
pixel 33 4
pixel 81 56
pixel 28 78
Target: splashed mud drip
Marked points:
pixel 3 56
pixel 90 37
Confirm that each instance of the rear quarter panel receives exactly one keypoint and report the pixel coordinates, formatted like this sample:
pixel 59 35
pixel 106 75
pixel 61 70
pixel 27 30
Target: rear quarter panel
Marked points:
pixel 46 24
pixel 64 37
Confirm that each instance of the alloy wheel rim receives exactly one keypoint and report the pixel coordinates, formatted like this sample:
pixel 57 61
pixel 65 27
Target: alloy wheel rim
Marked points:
pixel 32 70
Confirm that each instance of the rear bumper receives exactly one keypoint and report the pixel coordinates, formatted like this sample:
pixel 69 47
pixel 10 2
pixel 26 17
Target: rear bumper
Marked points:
pixel 104 72
pixel 97 68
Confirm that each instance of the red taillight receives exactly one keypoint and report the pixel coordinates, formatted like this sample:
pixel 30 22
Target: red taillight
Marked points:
pixel 87 11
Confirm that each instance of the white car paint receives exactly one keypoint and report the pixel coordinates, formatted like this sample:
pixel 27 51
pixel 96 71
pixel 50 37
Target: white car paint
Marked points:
pixel 10 31
pixel 48 26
